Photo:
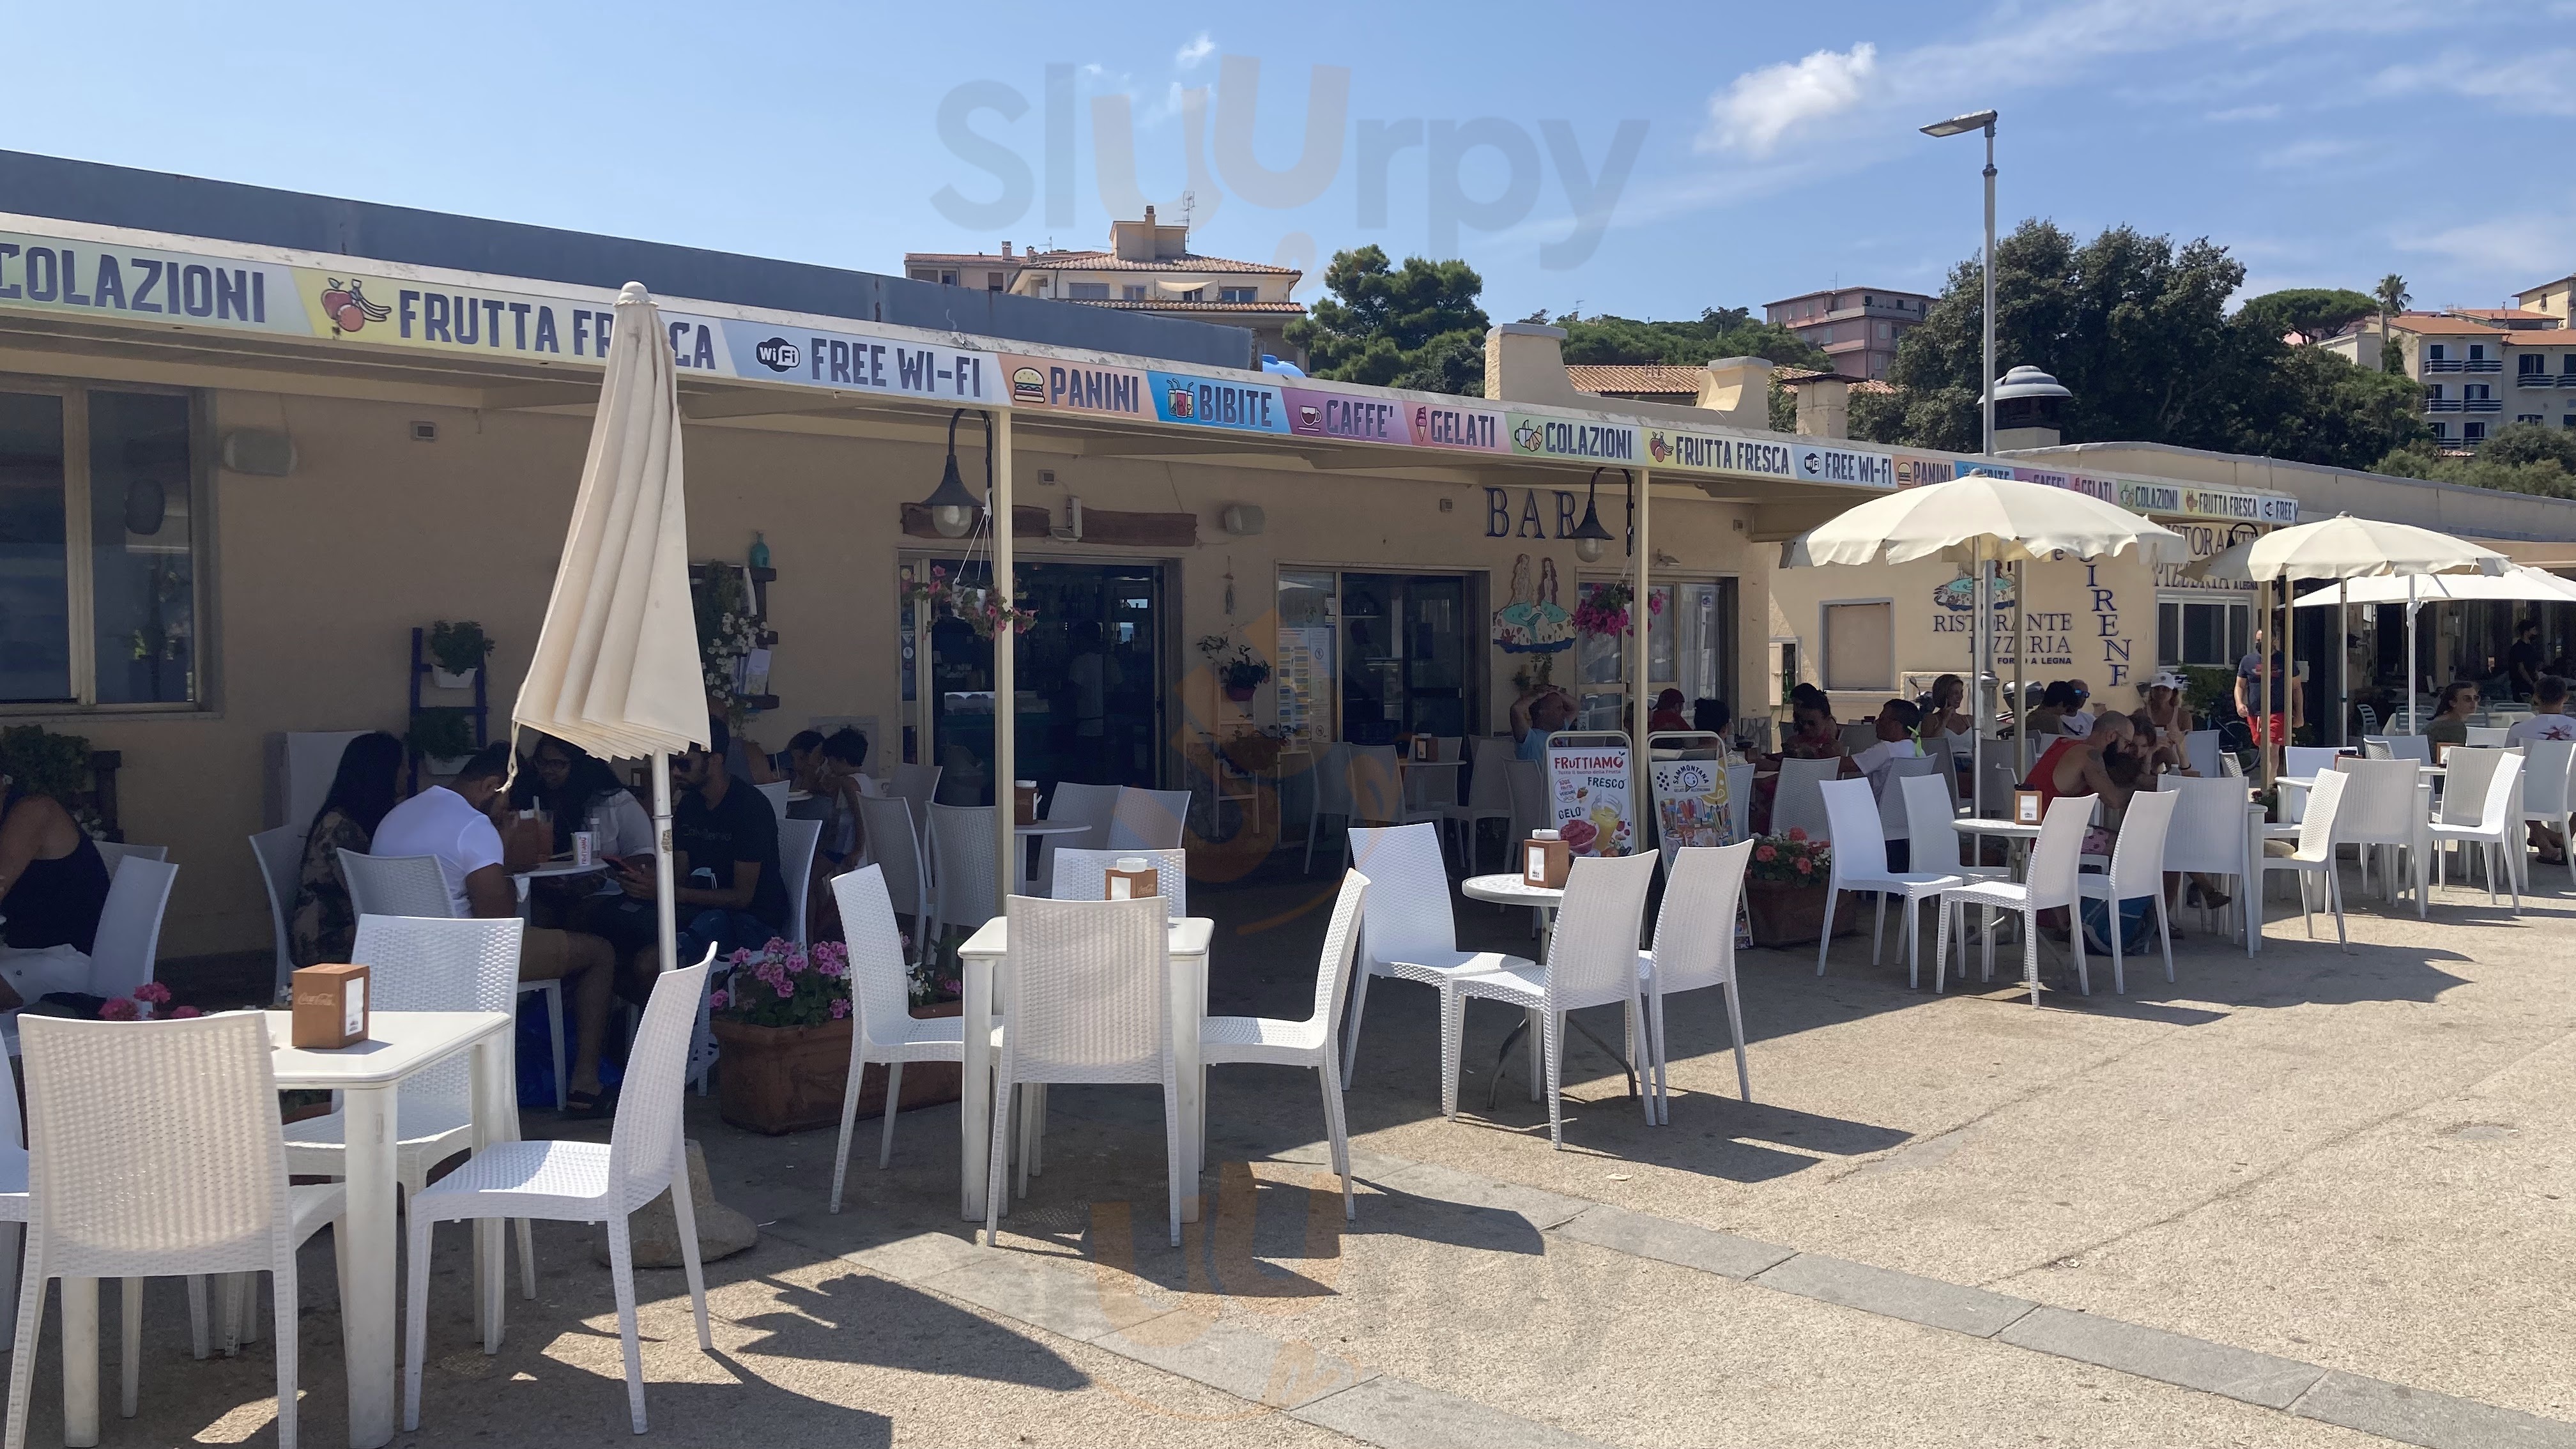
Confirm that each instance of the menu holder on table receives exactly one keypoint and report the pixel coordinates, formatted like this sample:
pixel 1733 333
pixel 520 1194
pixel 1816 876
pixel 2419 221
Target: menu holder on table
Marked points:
pixel 329 1007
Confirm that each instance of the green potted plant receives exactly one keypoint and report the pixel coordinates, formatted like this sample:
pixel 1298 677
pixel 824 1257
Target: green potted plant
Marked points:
pixel 1238 669
pixel 442 738
pixel 782 1018
pixel 458 649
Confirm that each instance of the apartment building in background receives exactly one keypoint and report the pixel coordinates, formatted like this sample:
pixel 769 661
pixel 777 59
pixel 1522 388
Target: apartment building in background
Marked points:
pixel 1858 327
pixel 1148 267
pixel 2480 368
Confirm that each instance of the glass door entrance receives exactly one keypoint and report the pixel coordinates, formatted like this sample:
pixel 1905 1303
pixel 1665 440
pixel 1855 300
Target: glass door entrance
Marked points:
pixel 1405 656
pixel 1090 680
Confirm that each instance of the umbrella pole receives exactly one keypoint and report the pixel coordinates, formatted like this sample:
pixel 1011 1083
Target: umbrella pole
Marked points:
pixel 2414 726
pixel 1006 675
pixel 2021 653
pixel 1981 666
pixel 2343 653
pixel 665 913
pixel 2263 685
pixel 1641 625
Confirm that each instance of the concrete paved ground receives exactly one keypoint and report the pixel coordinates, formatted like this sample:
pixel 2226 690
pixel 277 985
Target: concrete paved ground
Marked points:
pixel 2339 1185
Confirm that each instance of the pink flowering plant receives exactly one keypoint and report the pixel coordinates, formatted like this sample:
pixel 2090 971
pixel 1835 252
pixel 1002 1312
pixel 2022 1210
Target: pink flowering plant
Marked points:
pixel 785 984
pixel 1791 859
pixel 1603 611
pixel 150 1000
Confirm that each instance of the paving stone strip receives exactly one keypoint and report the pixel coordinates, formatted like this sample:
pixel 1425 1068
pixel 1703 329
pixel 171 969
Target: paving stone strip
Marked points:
pixel 1302 1381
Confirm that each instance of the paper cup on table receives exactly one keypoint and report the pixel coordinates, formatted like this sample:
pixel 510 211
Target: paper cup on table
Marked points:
pixel 585 849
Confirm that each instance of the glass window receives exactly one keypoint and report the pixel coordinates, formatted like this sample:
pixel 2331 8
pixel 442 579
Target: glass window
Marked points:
pixel 1686 649
pixel 1235 294
pixel 143 584
pixel 1307 605
pixel 1132 292
pixel 2474 432
pixel 35 587
pixel 2434 352
pixel 1087 291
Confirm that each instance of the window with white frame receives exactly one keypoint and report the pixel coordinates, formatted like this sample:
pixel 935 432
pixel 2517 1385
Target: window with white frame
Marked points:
pixel 2205 631
pixel 1686 649
pixel 98 547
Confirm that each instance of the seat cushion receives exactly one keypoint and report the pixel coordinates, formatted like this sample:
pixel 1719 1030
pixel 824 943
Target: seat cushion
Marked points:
pixel 521 1179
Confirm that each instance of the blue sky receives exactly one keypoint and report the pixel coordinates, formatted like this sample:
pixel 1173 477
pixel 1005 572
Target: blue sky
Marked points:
pixel 1769 149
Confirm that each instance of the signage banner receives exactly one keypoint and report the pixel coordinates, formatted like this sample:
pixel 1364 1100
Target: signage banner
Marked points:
pixel 1082 387
pixel 1818 464
pixel 47 274
pixel 1478 430
pixel 1208 402
pixel 1690 805
pixel 1582 440
pixel 766 352
pixel 1588 795
pixel 1690 452
pixel 1914 472
pixel 1362 419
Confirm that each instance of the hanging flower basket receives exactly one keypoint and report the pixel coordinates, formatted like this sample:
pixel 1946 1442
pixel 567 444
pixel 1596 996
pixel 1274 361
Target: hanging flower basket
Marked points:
pixel 1603 612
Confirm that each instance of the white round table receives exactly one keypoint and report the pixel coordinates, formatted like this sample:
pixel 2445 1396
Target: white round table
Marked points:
pixel 1032 837
pixel 1508 889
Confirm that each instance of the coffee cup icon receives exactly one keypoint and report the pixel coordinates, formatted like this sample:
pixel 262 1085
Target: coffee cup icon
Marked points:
pixel 1310 415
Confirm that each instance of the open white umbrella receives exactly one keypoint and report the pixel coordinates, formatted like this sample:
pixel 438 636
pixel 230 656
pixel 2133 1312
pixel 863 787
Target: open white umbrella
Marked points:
pixel 2519 584
pixel 616 667
pixel 1981 519
pixel 2343 548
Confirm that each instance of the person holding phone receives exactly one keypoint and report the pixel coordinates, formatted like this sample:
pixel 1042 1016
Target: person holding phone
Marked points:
pixel 727 892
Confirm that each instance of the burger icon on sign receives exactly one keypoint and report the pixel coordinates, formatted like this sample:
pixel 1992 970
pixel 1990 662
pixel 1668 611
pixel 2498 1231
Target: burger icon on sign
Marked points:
pixel 1028 385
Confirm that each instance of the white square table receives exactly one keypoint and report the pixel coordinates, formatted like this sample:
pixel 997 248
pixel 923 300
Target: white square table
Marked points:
pixel 991 942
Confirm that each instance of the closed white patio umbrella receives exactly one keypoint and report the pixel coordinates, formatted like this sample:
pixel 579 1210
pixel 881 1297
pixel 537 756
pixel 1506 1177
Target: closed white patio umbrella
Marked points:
pixel 1981 519
pixel 616 668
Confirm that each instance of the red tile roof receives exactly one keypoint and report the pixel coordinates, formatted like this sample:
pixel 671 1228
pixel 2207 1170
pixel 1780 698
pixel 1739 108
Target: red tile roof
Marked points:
pixel 2505 314
pixel 1150 305
pixel 2428 325
pixel 1095 262
pixel 1661 378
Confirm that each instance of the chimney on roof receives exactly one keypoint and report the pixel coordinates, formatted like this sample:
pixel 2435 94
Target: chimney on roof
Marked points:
pixel 1006 249
pixel 1149 216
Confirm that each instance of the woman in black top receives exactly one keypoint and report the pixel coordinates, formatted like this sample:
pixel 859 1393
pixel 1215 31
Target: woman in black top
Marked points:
pixel 53 884
pixel 366 786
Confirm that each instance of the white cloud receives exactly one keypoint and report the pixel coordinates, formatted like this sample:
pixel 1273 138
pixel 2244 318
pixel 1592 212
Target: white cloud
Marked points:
pixel 2247 113
pixel 2533 85
pixel 1199 48
pixel 2512 246
pixel 1761 106
pixel 2310 151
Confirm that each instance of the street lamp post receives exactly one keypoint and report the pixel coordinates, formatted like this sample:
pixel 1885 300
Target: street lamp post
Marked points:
pixel 1960 126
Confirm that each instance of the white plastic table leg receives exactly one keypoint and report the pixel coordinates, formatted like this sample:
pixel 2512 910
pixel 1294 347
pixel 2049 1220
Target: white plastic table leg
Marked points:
pixel 494 1089
pixel 1189 1007
pixel 367 1293
pixel 975 1092
pixel 80 1362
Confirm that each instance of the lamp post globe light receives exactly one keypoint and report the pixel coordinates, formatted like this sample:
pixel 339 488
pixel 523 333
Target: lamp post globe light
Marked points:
pixel 1591 540
pixel 1960 126
pixel 952 508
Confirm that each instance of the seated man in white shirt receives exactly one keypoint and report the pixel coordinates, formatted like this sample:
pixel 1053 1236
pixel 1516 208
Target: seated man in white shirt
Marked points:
pixel 1895 729
pixel 2549 721
pixel 452 824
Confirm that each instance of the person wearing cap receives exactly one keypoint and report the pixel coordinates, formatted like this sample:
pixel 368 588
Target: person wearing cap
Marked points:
pixel 2168 717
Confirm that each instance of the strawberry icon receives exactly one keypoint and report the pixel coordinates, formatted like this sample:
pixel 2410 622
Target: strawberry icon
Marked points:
pixel 347 306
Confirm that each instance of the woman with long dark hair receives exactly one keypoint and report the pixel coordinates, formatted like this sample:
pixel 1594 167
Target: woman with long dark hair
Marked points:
pixel 366 788
pixel 53 884
pixel 582 793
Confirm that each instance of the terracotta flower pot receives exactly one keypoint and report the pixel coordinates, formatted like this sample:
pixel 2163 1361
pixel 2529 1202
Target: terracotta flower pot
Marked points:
pixel 781 1079
pixel 1240 693
pixel 1791 915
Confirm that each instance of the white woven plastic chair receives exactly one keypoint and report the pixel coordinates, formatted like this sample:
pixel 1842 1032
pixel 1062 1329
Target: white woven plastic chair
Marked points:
pixel 2547 796
pixel 1528 784
pixel 2404 747
pixel 2200 749
pixel 1489 793
pixel 894 845
pixel 2207 837
pixel 1089 987
pixel 1148 819
pixel 917 786
pixel 2379 816
pixel 775 792
pixel 1075 803
pixel 2314 859
pixel 129 926
pixel 1408 933
pixel 584 1182
pixel 1858 862
pixel 1081 874
pixel 413 885
pixel 2490 737
pixel 15 1204
pixel 153 1149
pixel 1890 792
pixel 418 963
pixel 280 853
pixel 2491 829
pixel 797 840
pixel 1933 841
pixel 116 853
pixel 1695 948
pixel 962 851
pixel 1591 961
pixel 1308 1043
pixel 881 996
pixel 2137 869
pixel 2053 860
pixel 2306 760
pixel 1796 803
pixel 1739 799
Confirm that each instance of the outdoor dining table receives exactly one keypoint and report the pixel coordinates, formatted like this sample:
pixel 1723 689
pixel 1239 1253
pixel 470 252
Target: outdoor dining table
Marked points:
pixel 1031 839
pixel 399 1044
pixel 990 943
pixel 1508 889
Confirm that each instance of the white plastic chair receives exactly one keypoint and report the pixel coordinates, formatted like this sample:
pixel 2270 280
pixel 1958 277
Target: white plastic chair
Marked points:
pixel 129 926
pixel 2200 748
pixel 885 1029
pixel 154 1150
pixel 1309 1043
pixel 2492 828
pixel 417 963
pixel 1527 784
pixel 1081 874
pixel 775 792
pixel 1148 819
pixel 894 845
pixel 1489 793
pixel 2402 747
pixel 1075 803
pixel 1858 862
pixel 2053 859
pixel 583 1182
pixel 1407 933
pixel 1357 783
pixel 2547 798
pixel 1995 758
pixel 1796 803
pixel 413 885
pixel 1933 842
pixel 1694 948
pixel 280 853
pixel 917 786
pixel 1891 803
pixel 115 853
pixel 2306 760
pixel 2314 859
pixel 797 840
pixel 2137 869
pixel 2490 737
pixel 2379 816
pixel 961 848
pixel 1591 961
pixel 1089 987
pixel 1739 798
pixel 2207 837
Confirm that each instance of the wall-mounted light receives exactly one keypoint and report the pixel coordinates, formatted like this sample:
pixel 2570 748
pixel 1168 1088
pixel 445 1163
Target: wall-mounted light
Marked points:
pixel 952 508
pixel 1591 540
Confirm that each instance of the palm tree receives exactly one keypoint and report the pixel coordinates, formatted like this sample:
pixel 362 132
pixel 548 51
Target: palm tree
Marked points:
pixel 2392 300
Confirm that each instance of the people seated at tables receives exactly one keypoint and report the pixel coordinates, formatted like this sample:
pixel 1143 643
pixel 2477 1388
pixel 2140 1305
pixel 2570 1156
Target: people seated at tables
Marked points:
pixel 1667 716
pixel 580 792
pixel 840 779
pixel 324 927
pixel 2549 721
pixel 1895 726
pixel 453 824
pixel 799 761
pixel 53 885
pixel 724 862
pixel 1536 715
pixel 1711 715
pixel 2449 725
pixel 2062 698
pixel 1943 714
pixel 1813 735
pixel 2164 721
